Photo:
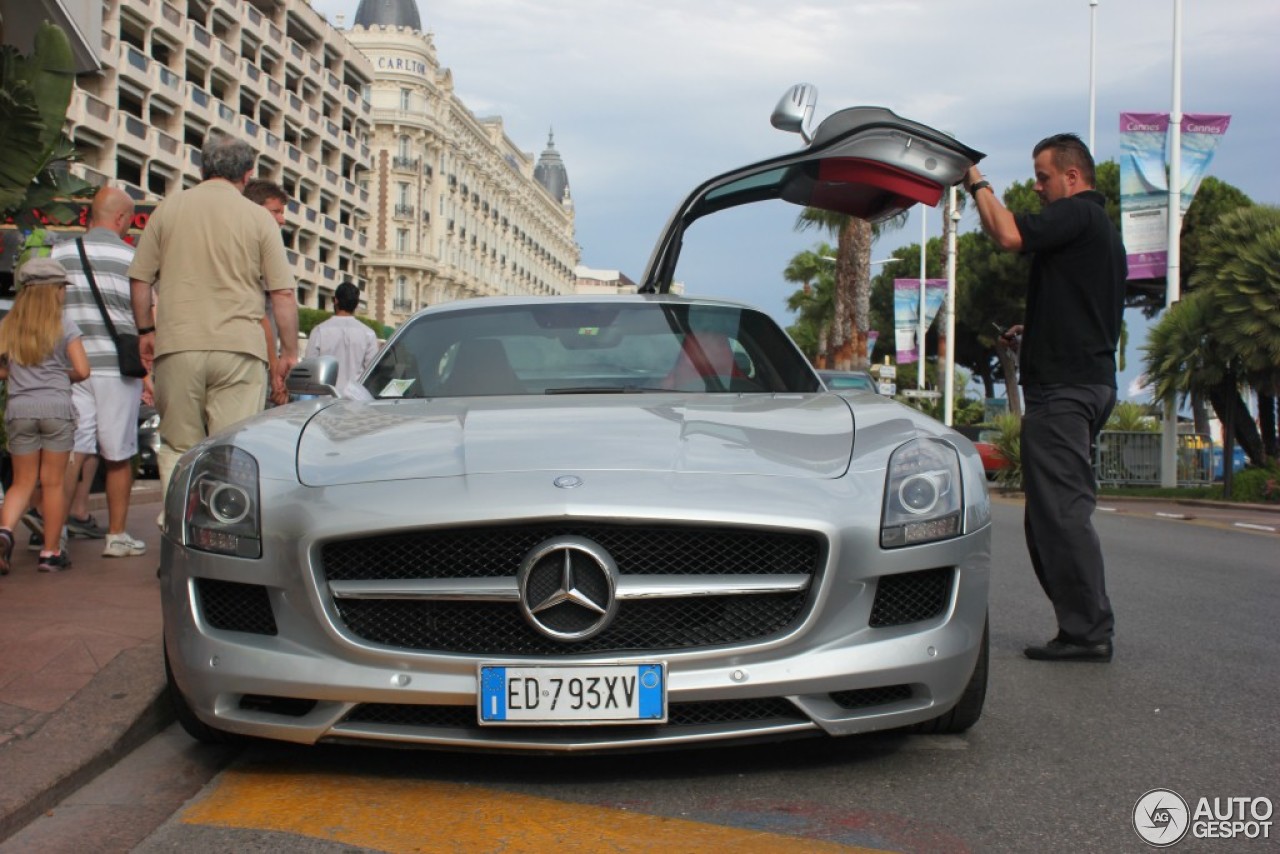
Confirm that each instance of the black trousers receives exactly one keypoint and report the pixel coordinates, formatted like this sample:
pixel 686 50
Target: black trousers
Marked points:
pixel 1058 430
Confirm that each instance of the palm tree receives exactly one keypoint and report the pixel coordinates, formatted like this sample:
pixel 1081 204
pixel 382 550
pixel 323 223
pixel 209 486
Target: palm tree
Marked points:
pixel 1240 265
pixel 813 302
pixel 851 308
pixel 1184 357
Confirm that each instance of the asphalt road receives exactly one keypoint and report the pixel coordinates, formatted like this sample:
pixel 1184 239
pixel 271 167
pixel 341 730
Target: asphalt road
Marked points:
pixel 1057 763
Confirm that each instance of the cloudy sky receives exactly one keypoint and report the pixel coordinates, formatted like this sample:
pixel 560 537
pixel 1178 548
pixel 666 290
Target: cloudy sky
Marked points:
pixel 649 97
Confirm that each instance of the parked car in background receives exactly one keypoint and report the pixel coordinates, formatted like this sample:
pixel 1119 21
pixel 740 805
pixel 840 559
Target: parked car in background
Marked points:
pixel 985 438
pixel 589 523
pixel 848 380
pixel 148 441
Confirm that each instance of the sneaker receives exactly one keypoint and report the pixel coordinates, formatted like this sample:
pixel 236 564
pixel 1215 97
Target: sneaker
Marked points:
pixel 6 550
pixel 36 542
pixel 123 545
pixel 86 528
pixel 54 563
pixel 33 520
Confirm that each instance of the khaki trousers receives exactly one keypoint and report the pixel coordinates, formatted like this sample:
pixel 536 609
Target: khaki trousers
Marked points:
pixel 202 392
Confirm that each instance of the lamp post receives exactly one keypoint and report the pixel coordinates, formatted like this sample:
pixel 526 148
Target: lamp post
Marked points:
pixel 1172 285
pixel 1093 69
pixel 949 362
pixel 920 327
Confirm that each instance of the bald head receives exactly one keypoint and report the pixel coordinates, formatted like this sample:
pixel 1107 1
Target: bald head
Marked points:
pixel 112 209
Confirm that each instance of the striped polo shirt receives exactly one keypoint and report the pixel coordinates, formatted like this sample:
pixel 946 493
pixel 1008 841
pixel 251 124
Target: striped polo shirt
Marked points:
pixel 110 258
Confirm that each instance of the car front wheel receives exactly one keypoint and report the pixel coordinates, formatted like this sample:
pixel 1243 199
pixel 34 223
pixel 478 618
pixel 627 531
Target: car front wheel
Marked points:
pixel 966 712
pixel 195 727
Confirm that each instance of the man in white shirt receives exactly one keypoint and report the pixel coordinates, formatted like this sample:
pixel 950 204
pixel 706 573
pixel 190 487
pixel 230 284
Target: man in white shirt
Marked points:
pixel 342 336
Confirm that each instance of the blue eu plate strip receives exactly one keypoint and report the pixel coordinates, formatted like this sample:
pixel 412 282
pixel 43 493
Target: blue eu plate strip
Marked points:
pixel 493 694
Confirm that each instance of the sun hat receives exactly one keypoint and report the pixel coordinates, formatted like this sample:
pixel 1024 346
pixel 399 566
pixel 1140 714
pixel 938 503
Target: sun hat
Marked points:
pixel 41 271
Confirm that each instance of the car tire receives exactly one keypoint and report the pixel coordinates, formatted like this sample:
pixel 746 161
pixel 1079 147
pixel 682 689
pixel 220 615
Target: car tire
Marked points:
pixel 966 712
pixel 194 727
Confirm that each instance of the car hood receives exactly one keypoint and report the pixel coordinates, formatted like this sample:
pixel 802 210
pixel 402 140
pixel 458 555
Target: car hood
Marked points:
pixel 801 436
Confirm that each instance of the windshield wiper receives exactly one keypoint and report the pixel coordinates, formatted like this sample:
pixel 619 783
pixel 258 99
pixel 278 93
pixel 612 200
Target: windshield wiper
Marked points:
pixel 607 389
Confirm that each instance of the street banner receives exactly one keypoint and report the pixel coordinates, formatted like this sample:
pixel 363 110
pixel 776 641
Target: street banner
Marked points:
pixel 1144 181
pixel 906 313
pixel 872 337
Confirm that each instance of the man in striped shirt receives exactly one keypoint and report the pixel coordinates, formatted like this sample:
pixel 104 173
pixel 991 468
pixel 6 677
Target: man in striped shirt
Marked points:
pixel 106 404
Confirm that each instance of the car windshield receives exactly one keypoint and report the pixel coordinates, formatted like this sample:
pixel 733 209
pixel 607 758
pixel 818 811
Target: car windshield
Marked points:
pixel 590 347
pixel 837 381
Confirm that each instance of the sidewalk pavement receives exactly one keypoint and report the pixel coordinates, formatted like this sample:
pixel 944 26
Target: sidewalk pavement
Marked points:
pixel 81 672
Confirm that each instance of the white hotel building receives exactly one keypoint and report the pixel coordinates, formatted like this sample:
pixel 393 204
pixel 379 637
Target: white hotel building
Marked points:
pixel 394 183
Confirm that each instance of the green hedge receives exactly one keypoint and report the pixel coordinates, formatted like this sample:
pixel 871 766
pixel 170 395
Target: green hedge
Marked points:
pixel 310 318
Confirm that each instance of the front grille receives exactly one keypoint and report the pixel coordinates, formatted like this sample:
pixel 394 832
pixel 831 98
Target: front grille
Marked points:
pixel 496 552
pixel 235 607
pixel 911 597
pixel 867 697
pixel 497 628
pixel 678 715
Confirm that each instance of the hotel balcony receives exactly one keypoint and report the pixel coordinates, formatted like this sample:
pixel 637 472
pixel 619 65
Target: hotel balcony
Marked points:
pixel 200 103
pixel 91 116
pixel 136 68
pixel 199 43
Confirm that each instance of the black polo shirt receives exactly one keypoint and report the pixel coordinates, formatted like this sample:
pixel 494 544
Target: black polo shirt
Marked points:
pixel 1075 300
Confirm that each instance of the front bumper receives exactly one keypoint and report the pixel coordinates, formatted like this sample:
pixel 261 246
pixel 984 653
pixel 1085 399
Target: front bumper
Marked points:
pixel 833 674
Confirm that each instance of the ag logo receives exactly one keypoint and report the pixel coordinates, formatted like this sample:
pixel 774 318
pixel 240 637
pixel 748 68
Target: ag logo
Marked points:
pixel 1161 818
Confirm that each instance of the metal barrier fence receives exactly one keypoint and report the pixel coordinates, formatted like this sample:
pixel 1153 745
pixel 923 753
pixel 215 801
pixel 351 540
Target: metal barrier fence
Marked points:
pixel 1124 458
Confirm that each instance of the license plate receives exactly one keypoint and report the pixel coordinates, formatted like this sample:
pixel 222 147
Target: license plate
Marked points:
pixel 582 694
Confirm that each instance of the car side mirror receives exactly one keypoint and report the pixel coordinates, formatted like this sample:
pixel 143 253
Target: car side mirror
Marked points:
pixel 314 377
pixel 794 112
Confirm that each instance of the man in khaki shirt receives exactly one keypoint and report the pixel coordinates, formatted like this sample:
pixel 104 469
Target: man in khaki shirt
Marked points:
pixel 210 253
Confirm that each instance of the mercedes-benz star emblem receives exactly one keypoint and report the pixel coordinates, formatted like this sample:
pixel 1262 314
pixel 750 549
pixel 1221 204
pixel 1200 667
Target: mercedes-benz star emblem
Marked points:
pixel 568 588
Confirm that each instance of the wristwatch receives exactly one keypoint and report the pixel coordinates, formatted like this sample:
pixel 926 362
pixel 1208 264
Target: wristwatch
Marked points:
pixel 978 185
pixel 146 330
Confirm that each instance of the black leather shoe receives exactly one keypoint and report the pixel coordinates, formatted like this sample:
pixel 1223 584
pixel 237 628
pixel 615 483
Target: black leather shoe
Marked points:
pixel 1060 650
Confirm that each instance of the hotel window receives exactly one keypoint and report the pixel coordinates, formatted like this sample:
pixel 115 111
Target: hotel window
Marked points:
pixel 402 240
pixel 406 100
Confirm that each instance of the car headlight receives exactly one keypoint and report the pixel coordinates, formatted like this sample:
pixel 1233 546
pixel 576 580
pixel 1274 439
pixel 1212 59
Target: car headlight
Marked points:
pixel 923 500
pixel 221 512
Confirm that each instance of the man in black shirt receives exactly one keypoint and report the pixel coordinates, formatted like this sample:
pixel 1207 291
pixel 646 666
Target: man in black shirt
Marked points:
pixel 1067 363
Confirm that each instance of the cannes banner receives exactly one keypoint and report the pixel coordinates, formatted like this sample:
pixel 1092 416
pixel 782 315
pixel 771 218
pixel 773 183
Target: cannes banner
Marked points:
pixel 906 313
pixel 1144 182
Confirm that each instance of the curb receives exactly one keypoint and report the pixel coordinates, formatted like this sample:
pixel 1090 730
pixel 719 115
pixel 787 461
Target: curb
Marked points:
pixel 1144 499
pixel 121 708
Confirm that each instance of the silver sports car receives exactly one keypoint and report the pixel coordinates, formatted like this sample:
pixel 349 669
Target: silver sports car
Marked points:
pixel 588 523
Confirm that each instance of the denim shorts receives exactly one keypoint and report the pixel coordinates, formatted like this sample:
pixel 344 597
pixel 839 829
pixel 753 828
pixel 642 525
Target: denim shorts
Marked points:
pixel 28 435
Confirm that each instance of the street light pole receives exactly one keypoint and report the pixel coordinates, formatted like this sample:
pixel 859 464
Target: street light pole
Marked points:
pixel 949 363
pixel 1173 285
pixel 1093 72
pixel 920 327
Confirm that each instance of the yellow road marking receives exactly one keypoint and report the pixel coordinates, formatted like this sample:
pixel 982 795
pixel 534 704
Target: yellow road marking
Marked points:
pixel 398 815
